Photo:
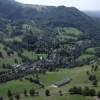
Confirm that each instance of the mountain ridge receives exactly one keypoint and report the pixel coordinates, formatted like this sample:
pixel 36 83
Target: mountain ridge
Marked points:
pixel 49 16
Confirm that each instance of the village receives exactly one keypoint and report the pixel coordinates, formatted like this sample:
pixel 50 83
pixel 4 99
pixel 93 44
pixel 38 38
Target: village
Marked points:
pixel 52 63
pixel 20 70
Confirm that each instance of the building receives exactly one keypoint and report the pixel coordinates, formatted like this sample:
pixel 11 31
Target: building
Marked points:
pixel 61 83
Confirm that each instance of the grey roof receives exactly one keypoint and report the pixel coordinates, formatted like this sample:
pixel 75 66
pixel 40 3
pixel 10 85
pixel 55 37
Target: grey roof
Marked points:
pixel 63 82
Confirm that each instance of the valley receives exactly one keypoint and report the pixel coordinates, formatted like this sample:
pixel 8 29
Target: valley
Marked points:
pixel 48 52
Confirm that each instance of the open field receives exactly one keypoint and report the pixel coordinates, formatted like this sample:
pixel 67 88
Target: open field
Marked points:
pixel 78 76
pixel 11 59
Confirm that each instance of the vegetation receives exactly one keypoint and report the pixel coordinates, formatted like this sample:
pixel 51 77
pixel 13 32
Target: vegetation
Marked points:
pixel 79 79
pixel 37 50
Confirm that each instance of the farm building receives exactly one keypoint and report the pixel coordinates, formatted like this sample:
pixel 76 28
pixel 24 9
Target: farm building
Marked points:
pixel 61 83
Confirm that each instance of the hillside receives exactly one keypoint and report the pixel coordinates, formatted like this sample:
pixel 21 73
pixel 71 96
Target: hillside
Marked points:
pixel 41 46
pixel 49 16
pixel 44 30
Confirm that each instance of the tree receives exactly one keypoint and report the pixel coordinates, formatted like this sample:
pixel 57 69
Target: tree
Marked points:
pixel 96 68
pixel 32 92
pixel 47 92
pixel 25 93
pixel 75 90
pixel 86 91
pixel 1 54
pixel 37 76
pixel 60 92
pixel 3 65
pixel 89 92
pixel 92 92
pixel 92 68
pixel 37 93
pixel 88 73
pixel 95 83
pixel 11 98
pixel 98 94
pixel 16 60
pixel 9 93
pixel 17 96
pixel 92 77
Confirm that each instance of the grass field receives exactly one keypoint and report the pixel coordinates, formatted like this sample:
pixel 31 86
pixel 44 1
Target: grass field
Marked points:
pixel 78 76
pixel 32 55
pixel 11 59
pixel 68 34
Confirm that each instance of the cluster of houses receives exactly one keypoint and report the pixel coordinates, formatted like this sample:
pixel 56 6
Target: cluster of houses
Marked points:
pixel 20 70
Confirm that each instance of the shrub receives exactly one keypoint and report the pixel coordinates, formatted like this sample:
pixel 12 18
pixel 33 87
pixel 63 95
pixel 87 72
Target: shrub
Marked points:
pixel 25 93
pixel 95 83
pixel 47 92
pixel 60 93
pixel 11 98
pixel 92 77
pixel 32 92
pixel 9 93
pixel 98 94
pixel 92 92
pixel 85 91
pixel 17 96
pixel 75 90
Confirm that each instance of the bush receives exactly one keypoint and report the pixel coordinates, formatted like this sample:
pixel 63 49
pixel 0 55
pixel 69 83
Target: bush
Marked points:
pixel 32 92
pixel 75 90
pixel 92 77
pixel 86 91
pixel 9 93
pixel 89 92
pixel 95 83
pixel 92 92
pixel 47 92
pixel 98 94
pixel 11 98
pixel 25 93
pixel 60 93
pixel 17 96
